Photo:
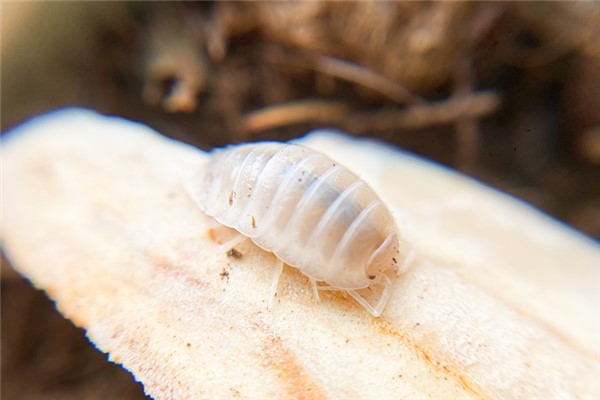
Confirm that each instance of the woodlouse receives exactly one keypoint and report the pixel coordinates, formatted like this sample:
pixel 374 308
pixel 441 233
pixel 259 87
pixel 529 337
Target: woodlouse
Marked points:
pixel 312 213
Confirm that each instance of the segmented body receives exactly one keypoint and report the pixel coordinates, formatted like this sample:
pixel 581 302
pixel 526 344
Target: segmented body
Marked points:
pixel 311 212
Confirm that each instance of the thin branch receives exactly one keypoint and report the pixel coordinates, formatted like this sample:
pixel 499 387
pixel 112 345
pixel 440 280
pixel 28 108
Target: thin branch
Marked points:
pixel 425 115
pixel 346 70
pixel 305 111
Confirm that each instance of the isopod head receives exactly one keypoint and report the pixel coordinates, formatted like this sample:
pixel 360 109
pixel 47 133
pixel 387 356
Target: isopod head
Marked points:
pixel 383 259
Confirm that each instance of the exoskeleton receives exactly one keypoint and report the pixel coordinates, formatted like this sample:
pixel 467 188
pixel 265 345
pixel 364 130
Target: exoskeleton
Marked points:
pixel 311 212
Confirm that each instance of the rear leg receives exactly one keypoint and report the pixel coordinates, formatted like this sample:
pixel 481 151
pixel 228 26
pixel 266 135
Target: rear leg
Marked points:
pixel 217 232
pixel 237 239
pixel 315 289
pixel 278 270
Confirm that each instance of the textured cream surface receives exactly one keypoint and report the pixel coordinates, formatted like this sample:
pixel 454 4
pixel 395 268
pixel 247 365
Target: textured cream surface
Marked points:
pixel 501 301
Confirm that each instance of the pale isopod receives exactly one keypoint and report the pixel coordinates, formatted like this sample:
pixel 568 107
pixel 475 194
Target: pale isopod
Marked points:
pixel 311 212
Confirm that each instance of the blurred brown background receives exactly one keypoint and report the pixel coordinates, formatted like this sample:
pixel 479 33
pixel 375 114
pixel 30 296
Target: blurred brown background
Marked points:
pixel 506 92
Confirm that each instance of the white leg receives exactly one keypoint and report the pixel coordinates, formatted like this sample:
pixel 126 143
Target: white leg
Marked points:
pixel 385 296
pixel 328 287
pixel 278 270
pixel 214 224
pixel 315 289
pixel 237 239
pixel 361 300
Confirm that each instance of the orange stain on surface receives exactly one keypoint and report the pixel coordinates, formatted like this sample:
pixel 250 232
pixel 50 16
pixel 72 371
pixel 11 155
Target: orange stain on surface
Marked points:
pixel 295 381
pixel 437 365
pixel 212 235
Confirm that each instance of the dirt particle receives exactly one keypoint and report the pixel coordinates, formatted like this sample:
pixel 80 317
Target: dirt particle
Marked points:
pixel 233 253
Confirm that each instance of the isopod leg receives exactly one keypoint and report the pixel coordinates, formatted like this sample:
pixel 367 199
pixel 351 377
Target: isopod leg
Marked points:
pixel 315 289
pixel 385 296
pixel 239 238
pixel 361 300
pixel 278 270
pixel 329 287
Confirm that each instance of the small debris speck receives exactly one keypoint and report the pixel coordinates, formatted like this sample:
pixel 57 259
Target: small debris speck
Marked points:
pixel 233 253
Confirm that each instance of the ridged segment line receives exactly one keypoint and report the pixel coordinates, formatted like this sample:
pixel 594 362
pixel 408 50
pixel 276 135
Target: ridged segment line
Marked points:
pixel 333 207
pixel 351 231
